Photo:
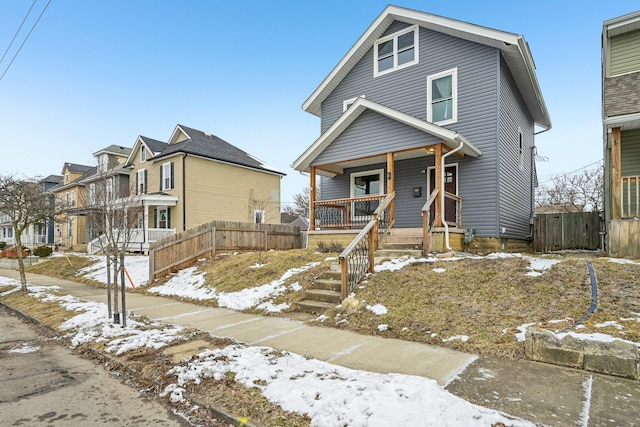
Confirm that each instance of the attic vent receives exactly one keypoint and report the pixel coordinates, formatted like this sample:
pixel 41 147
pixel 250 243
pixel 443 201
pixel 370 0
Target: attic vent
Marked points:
pixel 207 134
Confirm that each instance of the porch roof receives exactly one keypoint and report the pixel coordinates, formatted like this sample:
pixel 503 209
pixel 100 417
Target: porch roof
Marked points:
pixel 153 199
pixel 450 138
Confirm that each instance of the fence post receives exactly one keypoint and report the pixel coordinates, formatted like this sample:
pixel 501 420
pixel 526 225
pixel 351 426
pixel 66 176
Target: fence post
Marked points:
pixel 152 265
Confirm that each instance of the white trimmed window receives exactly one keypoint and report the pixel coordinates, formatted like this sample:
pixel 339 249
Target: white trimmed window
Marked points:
pixel 92 193
pixel 347 103
pixel 365 184
pixel 103 162
pixel 442 97
pixel 109 189
pixel 166 176
pixel 396 51
pixel 141 182
pixel 143 154
pixel 258 216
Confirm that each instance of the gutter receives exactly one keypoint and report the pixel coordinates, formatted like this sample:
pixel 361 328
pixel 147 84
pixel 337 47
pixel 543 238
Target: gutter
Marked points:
pixel 442 198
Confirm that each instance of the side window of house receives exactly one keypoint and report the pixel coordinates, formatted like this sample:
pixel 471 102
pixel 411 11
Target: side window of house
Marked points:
pixel 166 176
pixel 520 150
pixel 143 154
pixel 258 216
pixel 442 97
pixel 92 193
pixel 396 51
pixel 109 189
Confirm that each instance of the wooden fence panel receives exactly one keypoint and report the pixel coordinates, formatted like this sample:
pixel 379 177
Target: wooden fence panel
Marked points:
pixel 567 230
pixel 624 238
pixel 184 249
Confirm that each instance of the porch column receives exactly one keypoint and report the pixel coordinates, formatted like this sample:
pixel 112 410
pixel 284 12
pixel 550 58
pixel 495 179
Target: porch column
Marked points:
pixel 312 199
pixel 616 175
pixel 145 218
pixel 391 178
pixel 437 183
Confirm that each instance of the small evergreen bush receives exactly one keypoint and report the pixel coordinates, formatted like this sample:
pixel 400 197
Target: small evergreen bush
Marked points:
pixel 42 251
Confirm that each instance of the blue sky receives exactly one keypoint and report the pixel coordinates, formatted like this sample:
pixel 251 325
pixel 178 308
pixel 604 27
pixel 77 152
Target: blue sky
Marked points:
pixel 95 73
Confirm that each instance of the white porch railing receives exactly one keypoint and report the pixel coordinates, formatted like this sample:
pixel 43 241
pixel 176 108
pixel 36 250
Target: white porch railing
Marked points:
pixel 139 239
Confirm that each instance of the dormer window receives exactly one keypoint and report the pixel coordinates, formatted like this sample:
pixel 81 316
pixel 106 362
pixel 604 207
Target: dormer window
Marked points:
pixel 103 161
pixel 396 51
pixel 143 154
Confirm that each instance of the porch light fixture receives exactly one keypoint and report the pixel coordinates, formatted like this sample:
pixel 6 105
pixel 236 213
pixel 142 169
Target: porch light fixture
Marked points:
pixel 388 175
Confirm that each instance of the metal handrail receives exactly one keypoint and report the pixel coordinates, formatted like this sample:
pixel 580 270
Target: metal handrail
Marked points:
pixel 359 254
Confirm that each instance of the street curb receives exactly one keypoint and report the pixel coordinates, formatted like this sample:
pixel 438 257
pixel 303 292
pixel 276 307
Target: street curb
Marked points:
pixel 102 357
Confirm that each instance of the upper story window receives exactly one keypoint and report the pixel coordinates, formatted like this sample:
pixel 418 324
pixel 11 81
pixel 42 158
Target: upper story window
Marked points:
pixel 141 182
pixel 442 97
pixel 396 51
pixel 143 154
pixel 166 176
pixel 103 161
pixel 92 193
pixel 347 103
pixel 109 189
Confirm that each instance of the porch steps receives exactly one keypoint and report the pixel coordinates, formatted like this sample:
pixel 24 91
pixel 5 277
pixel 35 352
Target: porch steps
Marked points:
pixel 400 242
pixel 324 295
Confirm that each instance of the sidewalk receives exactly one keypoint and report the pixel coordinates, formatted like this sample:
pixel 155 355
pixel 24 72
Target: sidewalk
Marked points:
pixel 543 394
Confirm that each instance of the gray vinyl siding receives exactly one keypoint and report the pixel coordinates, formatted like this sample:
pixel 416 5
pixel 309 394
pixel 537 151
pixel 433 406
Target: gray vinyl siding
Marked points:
pixel 625 53
pixel 409 174
pixel 405 90
pixel 630 153
pixel 372 134
pixel 515 183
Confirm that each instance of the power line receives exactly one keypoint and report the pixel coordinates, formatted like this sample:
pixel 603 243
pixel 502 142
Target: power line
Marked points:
pixel 17 32
pixel 25 39
pixel 572 172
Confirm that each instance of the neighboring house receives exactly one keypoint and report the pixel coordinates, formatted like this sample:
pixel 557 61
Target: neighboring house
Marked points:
pixel 423 103
pixel 48 183
pixel 108 182
pixel 36 234
pixel 70 229
pixel 195 178
pixel 621 122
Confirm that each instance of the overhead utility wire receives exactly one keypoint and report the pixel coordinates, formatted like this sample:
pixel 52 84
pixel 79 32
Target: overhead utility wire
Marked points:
pixel 17 32
pixel 25 40
pixel 572 172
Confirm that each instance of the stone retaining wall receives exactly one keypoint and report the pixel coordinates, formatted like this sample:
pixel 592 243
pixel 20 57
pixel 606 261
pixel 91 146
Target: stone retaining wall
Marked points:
pixel 617 358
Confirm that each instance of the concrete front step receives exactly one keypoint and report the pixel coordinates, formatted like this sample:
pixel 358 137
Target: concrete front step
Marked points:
pixel 323 296
pixel 328 284
pixel 315 307
pixel 398 253
pixel 416 240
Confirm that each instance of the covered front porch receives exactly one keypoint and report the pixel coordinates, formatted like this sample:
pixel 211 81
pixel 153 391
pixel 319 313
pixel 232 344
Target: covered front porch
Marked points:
pixel 152 222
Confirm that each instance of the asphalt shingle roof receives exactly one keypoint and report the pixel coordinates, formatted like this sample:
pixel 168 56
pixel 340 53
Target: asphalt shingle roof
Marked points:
pixel 211 147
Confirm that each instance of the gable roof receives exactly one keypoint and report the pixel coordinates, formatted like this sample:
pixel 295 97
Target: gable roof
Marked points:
pixel 114 149
pixel 75 168
pixel 209 146
pixel 450 138
pixel 513 47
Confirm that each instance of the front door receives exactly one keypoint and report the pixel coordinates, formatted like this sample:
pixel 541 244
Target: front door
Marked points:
pixel 450 186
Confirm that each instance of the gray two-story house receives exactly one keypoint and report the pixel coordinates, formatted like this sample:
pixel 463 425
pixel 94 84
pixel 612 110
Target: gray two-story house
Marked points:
pixel 621 124
pixel 435 118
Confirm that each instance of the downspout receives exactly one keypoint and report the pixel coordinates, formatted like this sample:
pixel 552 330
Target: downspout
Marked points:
pixel 184 193
pixel 442 198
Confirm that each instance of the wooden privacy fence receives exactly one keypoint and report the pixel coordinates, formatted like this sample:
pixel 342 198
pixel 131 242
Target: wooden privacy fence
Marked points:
pixel 184 249
pixel 567 230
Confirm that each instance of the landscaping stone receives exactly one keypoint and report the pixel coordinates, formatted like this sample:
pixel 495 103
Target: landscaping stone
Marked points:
pixel 615 358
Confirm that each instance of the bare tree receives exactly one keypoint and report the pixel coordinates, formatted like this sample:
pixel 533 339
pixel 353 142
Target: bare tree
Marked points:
pixel 113 217
pixel 300 206
pixel 579 192
pixel 26 204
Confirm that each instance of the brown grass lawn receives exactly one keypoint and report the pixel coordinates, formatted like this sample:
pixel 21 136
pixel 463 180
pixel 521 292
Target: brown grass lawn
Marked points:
pixel 483 299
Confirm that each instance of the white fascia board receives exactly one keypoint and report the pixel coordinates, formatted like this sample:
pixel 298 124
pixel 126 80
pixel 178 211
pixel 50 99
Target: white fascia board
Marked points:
pixel 450 138
pixel 616 121
pixel 377 28
pixel 544 121
pixel 131 156
pixel 174 134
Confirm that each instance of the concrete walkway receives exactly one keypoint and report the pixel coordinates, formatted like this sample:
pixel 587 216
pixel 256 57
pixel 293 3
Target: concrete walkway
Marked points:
pixel 543 394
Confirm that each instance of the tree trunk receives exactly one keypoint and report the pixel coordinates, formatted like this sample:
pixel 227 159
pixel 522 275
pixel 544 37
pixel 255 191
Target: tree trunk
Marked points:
pixel 23 275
